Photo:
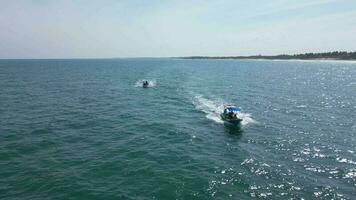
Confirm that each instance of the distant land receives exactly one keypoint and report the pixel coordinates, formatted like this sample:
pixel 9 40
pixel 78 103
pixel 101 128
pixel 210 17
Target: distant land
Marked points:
pixel 336 55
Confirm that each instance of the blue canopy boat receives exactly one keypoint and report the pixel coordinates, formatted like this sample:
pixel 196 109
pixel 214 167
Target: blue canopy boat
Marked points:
pixel 231 114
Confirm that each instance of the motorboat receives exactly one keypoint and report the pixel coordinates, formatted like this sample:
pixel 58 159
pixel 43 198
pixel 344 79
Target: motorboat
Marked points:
pixel 145 84
pixel 231 114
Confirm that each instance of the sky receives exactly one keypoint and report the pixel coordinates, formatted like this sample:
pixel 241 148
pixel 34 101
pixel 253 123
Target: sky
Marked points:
pixel 164 28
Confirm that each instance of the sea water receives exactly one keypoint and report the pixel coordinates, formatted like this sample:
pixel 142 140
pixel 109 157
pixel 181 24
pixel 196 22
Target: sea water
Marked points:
pixel 86 129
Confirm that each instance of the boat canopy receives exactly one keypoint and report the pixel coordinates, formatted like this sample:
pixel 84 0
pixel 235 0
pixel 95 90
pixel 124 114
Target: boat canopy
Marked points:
pixel 233 108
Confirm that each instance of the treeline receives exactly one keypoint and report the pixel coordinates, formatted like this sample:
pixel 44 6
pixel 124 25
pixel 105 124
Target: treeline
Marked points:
pixel 336 55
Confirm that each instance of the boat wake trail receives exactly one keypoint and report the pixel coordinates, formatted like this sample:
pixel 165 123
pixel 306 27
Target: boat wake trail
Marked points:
pixel 151 83
pixel 213 110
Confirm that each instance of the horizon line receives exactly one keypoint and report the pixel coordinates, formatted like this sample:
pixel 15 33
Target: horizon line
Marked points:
pixel 191 56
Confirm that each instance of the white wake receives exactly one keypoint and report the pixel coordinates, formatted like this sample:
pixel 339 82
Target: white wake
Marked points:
pixel 212 109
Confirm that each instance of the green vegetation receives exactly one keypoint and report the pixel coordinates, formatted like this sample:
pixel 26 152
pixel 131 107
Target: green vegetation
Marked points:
pixel 336 55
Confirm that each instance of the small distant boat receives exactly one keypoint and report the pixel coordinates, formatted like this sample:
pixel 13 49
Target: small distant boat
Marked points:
pixel 231 114
pixel 145 84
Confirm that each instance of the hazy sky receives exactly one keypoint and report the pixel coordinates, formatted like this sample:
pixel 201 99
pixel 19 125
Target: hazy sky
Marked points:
pixel 136 28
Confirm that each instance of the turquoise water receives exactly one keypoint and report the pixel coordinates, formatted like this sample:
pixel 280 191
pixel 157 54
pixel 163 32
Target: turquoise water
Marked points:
pixel 85 129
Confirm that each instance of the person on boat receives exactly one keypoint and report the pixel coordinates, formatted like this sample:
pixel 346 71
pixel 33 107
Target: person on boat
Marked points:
pixel 231 115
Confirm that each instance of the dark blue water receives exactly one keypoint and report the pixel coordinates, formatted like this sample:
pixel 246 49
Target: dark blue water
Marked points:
pixel 85 129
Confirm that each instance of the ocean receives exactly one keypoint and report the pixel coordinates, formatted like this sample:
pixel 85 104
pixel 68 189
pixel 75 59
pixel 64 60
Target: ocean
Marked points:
pixel 86 129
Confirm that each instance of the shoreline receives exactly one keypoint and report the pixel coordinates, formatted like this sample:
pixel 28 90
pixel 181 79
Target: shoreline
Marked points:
pixel 276 59
pixel 271 59
pixel 335 55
